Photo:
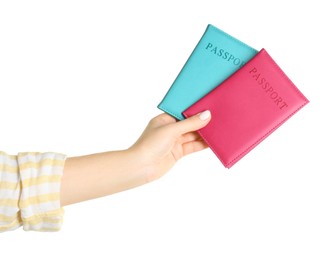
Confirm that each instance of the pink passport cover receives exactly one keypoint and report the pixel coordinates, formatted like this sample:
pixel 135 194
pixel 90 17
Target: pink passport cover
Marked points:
pixel 247 107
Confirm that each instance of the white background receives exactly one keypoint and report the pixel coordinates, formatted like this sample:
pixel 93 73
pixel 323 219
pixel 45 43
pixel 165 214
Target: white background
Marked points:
pixel 80 77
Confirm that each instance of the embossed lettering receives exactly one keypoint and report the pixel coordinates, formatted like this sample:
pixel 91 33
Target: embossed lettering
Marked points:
pixel 231 57
pixel 214 50
pixel 237 61
pixel 268 89
pixel 209 45
pixel 256 76
pixel 278 101
pixel 284 104
pixel 224 54
pixel 266 85
pixel 262 81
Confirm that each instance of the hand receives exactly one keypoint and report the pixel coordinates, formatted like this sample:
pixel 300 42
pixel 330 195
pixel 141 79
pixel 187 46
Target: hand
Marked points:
pixel 165 141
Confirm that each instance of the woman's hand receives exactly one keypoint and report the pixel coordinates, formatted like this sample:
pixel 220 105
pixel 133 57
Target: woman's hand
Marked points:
pixel 165 141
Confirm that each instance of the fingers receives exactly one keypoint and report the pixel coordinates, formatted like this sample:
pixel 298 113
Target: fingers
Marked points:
pixel 189 137
pixel 162 119
pixel 193 123
pixel 192 147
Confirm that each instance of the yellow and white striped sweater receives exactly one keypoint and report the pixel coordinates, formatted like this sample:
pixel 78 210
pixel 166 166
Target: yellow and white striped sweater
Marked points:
pixel 30 191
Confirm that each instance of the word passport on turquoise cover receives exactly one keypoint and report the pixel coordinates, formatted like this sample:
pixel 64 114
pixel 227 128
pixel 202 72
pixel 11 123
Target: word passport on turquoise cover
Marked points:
pixel 216 57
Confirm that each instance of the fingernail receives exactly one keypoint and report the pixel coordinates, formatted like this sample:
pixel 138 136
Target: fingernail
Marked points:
pixel 204 115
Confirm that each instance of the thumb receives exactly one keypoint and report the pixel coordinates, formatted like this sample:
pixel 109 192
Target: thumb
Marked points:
pixel 193 123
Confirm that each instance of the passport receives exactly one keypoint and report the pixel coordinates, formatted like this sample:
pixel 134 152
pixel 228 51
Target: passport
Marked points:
pixel 216 56
pixel 247 107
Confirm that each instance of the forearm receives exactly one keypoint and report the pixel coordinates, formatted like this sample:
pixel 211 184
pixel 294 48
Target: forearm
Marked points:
pixel 97 175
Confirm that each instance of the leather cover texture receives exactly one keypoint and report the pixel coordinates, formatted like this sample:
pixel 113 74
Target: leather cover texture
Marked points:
pixel 216 56
pixel 247 107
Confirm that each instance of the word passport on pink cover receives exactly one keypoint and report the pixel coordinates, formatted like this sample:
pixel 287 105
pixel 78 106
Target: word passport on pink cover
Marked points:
pixel 247 107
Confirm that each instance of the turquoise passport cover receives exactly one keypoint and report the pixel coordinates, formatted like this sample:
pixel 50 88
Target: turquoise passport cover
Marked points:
pixel 216 57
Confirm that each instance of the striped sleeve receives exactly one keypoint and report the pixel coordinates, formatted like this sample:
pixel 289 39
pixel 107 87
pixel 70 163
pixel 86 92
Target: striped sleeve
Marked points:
pixel 32 200
pixel 10 218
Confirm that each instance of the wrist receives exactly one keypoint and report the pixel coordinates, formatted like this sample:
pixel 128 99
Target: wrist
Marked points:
pixel 142 163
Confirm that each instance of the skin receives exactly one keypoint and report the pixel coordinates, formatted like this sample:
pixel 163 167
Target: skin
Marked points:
pixel 161 145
